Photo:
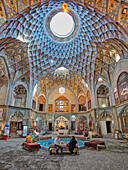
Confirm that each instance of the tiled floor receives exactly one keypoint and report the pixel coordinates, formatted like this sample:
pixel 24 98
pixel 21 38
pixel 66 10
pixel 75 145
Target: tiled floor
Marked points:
pixel 115 157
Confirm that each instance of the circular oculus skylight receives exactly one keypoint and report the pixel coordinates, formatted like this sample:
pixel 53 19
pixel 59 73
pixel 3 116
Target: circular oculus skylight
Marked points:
pixel 62 24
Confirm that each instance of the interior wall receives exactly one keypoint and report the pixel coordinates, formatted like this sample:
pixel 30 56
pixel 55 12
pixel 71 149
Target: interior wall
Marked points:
pixel 122 66
pixel 3 82
pixel 68 94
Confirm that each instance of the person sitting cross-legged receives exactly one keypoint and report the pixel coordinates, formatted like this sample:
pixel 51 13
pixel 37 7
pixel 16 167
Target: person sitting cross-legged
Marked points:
pixel 57 144
pixel 72 144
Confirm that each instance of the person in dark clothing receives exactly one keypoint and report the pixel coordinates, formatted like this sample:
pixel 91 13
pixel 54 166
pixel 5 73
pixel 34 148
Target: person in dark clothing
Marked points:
pixel 72 144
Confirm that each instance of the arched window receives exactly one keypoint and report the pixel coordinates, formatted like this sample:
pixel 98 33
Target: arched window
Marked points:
pixel 61 104
pixel 124 120
pixel 122 85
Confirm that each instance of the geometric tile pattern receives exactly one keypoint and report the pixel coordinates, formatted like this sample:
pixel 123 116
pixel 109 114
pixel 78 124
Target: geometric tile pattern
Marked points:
pixel 15 53
pixel 63 78
pixel 45 55
pixel 3 73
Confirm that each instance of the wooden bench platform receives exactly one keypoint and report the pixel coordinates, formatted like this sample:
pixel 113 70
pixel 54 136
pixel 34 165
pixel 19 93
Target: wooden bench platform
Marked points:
pixel 65 149
pixel 95 144
pixel 31 146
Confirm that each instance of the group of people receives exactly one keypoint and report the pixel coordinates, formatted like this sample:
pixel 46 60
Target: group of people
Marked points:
pixel 71 145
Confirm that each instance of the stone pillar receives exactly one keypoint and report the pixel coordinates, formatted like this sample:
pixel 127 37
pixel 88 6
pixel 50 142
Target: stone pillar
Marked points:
pixel 46 105
pixel 53 123
pixel 94 120
pixel 69 125
pixel 37 103
pixel 76 125
pixel 30 94
pixel 8 96
pixel 86 103
pixel 69 107
pixel 7 115
pixel 77 104
pixel 115 119
pixel 112 101
pixel 93 96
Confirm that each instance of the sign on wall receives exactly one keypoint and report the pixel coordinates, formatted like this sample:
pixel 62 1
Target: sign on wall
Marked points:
pixel 6 130
pixel 122 85
pixel 25 128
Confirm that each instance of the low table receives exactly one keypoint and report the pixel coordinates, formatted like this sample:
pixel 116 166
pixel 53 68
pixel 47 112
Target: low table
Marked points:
pixel 31 146
pixel 95 144
pixel 65 148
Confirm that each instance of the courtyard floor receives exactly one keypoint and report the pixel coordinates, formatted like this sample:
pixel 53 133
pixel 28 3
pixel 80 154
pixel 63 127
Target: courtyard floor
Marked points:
pixel 114 157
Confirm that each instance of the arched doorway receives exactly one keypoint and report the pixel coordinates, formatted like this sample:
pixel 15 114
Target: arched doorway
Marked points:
pixel 82 122
pixel 41 103
pixel 16 123
pixel 103 96
pixel 124 120
pixel 61 123
pixel 106 123
pixel 73 122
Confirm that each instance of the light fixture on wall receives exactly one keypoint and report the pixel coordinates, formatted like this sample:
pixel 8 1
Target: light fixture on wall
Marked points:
pixel 100 79
pixel 103 105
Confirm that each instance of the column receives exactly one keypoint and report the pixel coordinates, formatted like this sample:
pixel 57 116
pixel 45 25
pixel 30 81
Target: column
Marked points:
pixel 93 96
pixel 46 105
pixel 53 123
pixel 30 94
pixel 112 101
pixel 37 103
pixel 76 125
pixel 86 103
pixel 115 119
pixel 77 104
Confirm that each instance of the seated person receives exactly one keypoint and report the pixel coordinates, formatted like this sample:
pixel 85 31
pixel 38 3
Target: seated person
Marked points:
pixel 35 132
pixel 72 144
pixel 86 133
pixel 122 135
pixel 57 144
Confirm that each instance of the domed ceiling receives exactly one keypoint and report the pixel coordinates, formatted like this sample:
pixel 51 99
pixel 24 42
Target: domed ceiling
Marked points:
pixel 63 78
pixel 30 49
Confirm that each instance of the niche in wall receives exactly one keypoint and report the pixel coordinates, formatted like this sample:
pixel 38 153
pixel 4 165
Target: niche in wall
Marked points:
pixel 20 95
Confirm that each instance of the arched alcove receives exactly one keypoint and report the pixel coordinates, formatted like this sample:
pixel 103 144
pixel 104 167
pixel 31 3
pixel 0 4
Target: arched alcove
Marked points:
pixel 41 103
pixel 82 103
pixel 20 96
pixel 16 122
pixel 82 122
pixel 61 123
pixel 103 96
